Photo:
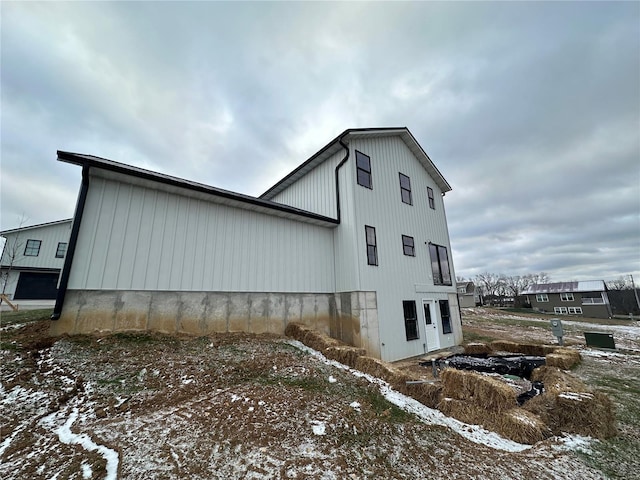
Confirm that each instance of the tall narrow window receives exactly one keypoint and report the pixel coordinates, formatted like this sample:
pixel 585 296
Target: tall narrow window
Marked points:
pixel 61 251
pixel 372 248
pixel 363 170
pixel 408 246
pixel 432 203
pixel 440 264
pixel 410 319
pixel 445 316
pixel 32 249
pixel 405 189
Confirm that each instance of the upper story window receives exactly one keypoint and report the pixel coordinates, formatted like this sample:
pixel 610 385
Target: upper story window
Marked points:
pixel 372 247
pixel 589 298
pixel 432 203
pixel 61 251
pixel 440 264
pixel 363 170
pixel 32 249
pixel 405 189
pixel 566 297
pixel 542 297
pixel 408 246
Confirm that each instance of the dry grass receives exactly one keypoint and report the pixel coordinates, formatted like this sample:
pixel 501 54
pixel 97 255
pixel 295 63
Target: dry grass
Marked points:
pixel 476 349
pixel 481 390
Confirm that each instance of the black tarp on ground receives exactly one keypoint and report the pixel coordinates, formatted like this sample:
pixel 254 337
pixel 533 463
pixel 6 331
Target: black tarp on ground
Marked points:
pixel 520 366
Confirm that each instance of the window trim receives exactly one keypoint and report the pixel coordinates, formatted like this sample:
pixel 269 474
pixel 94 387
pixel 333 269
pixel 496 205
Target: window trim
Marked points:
pixel 560 310
pixel 566 297
pixel 576 310
pixel 359 156
pixel 29 248
pixel 438 276
pixel 409 320
pixel 408 243
pixel 405 189
pixel 542 297
pixel 374 245
pixel 432 201
pixel 448 327
pixel 64 253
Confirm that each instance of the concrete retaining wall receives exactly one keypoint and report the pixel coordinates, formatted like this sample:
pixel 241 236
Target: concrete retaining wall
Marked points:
pixel 350 317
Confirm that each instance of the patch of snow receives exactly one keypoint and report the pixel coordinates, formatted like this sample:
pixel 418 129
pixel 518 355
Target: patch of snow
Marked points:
pixel 87 472
pixel 332 379
pixel 66 436
pixel 355 406
pixel 187 381
pixel 579 397
pixel 574 442
pixel 235 398
pixel 319 428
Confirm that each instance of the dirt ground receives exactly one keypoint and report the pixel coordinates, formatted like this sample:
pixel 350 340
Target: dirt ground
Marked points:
pixel 244 406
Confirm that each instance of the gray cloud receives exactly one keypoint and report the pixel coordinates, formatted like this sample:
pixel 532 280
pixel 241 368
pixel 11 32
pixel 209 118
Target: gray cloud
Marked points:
pixel 530 110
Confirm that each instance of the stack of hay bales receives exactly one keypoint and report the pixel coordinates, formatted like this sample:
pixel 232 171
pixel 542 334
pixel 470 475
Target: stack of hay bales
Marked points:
pixel 568 405
pixel 479 399
pixel 329 347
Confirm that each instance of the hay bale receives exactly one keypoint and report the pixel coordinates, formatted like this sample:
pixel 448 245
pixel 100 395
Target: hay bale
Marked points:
pixel 477 349
pixel 505 346
pixel 429 394
pixel 583 413
pixel 481 390
pixel 345 354
pixel 523 348
pixel 555 380
pixel 380 369
pixel 565 361
pixel 311 337
pixel 463 411
pixel 521 426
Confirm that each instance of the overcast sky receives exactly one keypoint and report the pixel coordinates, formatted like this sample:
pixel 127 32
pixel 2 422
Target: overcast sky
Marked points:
pixel 530 110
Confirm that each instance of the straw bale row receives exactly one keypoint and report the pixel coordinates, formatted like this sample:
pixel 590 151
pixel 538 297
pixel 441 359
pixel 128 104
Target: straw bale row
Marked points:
pixel 310 337
pixel 476 349
pixel 477 389
pixel 346 354
pixel 564 358
pixel 524 348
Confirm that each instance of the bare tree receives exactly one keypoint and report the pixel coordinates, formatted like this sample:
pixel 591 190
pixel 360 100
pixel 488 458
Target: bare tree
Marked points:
pixel 516 284
pixel 12 251
pixel 488 282
pixel 621 283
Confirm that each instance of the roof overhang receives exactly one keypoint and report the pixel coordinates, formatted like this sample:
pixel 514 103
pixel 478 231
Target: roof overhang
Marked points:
pixel 47 224
pixel 120 171
pixel 355 133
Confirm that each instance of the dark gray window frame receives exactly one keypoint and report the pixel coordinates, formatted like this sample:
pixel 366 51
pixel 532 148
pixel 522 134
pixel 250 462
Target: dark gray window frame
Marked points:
pixel 29 248
pixel 408 244
pixel 364 170
pixel 410 320
pixel 432 201
pixel 372 247
pixel 445 317
pixel 59 253
pixel 439 259
pixel 405 190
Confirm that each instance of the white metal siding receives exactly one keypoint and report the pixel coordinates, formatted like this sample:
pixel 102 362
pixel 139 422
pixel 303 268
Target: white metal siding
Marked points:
pixel 316 191
pixel 49 235
pixel 134 237
pixel 397 275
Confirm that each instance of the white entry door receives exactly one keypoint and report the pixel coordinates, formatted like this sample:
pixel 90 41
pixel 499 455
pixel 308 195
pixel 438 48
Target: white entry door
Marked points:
pixel 431 324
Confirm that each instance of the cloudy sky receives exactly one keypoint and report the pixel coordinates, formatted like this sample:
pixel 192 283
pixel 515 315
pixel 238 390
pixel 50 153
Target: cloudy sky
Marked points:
pixel 530 110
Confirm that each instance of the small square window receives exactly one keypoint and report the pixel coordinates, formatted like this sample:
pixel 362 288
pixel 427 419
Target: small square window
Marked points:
pixel 575 310
pixel 542 297
pixel 363 170
pixel 405 189
pixel 61 251
pixel 560 310
pixel 372 247
pixel 32 249
pixel 408 246
pixel 566 297
pixel 432 202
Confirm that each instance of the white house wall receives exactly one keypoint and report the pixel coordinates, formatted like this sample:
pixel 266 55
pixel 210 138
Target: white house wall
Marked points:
pixel 50 235
pixel 399 277
pixel 134 237
pixel 316 191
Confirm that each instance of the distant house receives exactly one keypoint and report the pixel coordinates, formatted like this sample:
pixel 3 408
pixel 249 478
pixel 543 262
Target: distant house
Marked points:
pixel 32 258
pixel 354 242
pixel 468 295
pixel 571 298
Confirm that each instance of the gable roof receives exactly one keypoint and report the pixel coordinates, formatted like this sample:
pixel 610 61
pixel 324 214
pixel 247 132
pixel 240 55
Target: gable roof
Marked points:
pixel 354 133
pixel 47 224
pixel 566 287
pixel 226 197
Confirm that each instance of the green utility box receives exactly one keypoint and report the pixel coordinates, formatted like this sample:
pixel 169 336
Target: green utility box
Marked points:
pixel 600 340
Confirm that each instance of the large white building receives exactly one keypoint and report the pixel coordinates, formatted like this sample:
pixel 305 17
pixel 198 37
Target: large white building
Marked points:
pixel 354 242
pixel 32 258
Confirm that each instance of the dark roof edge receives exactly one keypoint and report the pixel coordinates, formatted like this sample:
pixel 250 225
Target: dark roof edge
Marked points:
pixel 111 165
pixel 324 149
pixel 45 224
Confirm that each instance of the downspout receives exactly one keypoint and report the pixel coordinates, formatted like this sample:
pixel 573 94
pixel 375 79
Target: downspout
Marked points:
pixel 344 160
pixel 73 240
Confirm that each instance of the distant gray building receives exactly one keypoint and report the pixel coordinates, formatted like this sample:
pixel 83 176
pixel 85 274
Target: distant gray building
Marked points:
pixel 353 242
pixel 571 298
pixel 32 258
pixel 468 295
